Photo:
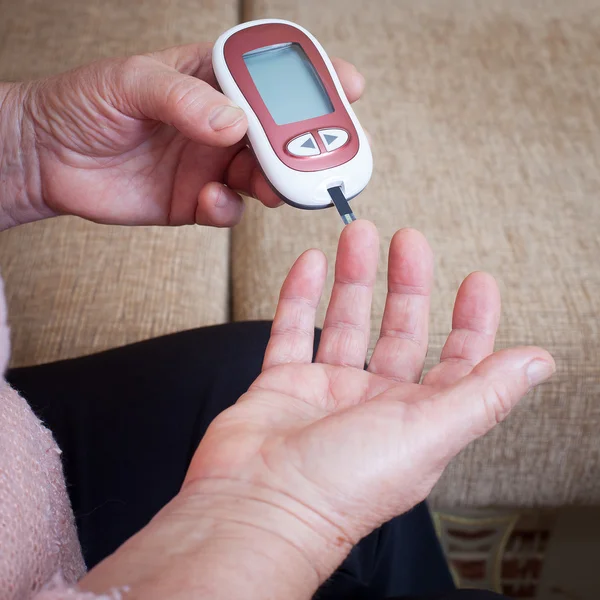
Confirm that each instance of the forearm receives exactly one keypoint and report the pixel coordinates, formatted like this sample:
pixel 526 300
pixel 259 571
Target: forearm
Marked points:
pixel 20 191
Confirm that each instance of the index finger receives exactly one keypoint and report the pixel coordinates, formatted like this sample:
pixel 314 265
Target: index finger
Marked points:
pixel 351 79
pixel 190 59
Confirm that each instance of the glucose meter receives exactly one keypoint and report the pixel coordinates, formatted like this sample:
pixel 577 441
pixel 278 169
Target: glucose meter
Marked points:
pixel 301 127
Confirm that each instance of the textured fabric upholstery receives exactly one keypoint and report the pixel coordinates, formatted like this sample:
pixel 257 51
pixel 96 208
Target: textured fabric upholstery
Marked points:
pixel 485 119
pixel 75 287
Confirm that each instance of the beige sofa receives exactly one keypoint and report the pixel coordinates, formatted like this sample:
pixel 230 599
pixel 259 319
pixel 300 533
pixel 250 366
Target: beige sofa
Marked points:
pixel 485 119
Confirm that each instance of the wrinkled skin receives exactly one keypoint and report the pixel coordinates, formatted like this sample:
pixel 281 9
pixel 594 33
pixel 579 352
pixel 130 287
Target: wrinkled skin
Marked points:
pixel 140 141
pixel 316 455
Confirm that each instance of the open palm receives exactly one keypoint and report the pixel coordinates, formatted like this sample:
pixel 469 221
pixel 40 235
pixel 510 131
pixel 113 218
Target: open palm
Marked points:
pixel 357 447
pixel 317 454
pixel 146 140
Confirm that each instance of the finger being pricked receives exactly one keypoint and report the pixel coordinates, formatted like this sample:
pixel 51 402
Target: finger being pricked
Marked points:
pixel 345 336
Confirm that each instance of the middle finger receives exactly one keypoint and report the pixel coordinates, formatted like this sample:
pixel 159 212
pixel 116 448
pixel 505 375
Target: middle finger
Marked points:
pixel 402 346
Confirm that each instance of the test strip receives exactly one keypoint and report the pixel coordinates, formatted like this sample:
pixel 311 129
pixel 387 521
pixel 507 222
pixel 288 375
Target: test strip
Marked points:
pixel 340 202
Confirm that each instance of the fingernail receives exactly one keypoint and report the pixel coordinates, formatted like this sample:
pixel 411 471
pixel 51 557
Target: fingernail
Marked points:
pixel 222 198
pixel 225 116
pixel 226 196
pixel 538 371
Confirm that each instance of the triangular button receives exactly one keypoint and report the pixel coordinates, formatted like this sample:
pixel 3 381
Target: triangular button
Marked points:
pixel 308 144
pixel 330 138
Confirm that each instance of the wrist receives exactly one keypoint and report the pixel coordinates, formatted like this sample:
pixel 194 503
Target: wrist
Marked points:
pixel 292 536
pixel 219 539
pixel 20 191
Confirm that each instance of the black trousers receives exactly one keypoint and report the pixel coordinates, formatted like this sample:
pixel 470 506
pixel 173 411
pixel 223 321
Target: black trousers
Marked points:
pixel 129 420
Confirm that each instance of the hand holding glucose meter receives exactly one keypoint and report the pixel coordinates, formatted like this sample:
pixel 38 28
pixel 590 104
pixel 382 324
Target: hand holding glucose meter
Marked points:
pixel 301 127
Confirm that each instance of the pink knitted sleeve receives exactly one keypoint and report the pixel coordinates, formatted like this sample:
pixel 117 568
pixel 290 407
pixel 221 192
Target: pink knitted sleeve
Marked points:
pixel 40 556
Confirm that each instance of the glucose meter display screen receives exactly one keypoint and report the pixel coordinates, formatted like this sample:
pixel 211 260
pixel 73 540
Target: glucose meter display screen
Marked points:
pixel 288 83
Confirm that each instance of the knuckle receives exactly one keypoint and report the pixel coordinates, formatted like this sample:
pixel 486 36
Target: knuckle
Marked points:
pixel 497 403
pixel 292 329
pixel 183 95
pixel 345 347
pixel 123 78
pixel 134 64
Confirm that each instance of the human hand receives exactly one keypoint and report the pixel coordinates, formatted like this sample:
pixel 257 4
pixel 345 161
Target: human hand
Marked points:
pixel 144 140
pixel 316 455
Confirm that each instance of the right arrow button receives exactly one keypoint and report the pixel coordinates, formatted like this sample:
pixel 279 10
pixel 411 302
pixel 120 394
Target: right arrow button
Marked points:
pixel 333 138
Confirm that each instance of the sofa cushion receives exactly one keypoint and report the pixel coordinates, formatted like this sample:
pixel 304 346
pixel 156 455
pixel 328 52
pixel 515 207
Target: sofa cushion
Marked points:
pixel 75 287
pixel 485 119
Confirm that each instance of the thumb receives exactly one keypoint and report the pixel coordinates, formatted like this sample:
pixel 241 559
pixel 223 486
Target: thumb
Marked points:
pixel 146 88
pixel 485 397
